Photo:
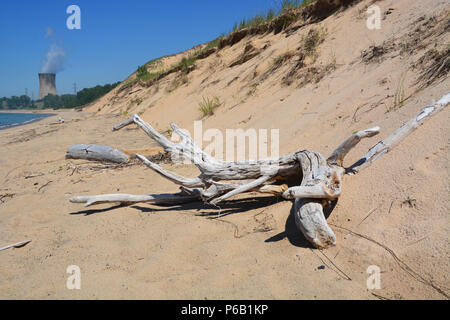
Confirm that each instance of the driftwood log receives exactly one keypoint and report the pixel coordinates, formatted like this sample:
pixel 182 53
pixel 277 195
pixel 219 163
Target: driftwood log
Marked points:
pixel 321 178
pixel 96 153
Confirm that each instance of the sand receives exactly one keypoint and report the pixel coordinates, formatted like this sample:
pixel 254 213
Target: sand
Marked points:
pixel 255 251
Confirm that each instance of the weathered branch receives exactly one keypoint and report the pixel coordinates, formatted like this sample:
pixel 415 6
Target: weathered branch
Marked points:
pixel 165 199
pixel 241 189
pixel 337 157
pixel 385 145
pixel 175 178
pixel 96 153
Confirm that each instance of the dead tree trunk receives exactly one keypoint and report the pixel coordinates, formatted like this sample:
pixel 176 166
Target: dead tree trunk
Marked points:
pixel 96 153
pixel 321 179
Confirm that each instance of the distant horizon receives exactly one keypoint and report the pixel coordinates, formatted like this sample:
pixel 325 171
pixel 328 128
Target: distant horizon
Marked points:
pixel 114 39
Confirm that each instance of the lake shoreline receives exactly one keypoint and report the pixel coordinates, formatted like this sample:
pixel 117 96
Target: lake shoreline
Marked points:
pixel 38 111
pixel 22 123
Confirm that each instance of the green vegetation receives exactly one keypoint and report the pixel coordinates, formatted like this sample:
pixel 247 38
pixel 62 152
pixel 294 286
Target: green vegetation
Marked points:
pixel 434 64
pixel 253 89
pixel 255 21
pixel 286 5
pixel 184 79
pixel 186 62
pixel 333 61
pixel 88 95
pixel 282 58
pixel 22 102
pixel 51 101
pixel 154 63
pixel 207 106
pixel 283 7
pixel 137 101
pixel 148 76
pixel 312 41
pixel 190 60
pixel 400 96
pixel 213 43
pixel 128 84
pixel 144 75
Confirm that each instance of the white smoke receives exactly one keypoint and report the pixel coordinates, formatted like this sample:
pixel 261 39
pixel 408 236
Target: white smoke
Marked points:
pixel 54 60
pixel 48 32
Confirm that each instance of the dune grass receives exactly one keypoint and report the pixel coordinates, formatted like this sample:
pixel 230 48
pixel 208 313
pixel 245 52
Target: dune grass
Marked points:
pixel 208 105
pixel 283 7
pixel 312 40
pixel 143 74
pixel 190 60
pixel 400 95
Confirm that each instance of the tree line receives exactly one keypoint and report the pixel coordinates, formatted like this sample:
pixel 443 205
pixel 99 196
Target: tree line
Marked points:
pixel 51 101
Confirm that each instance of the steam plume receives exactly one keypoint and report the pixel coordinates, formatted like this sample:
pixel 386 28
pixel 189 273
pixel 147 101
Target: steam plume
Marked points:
pixel 54 60
pixel 48 32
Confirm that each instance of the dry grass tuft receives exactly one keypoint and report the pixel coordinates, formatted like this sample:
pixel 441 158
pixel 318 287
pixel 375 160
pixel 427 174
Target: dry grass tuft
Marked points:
pixel 208 105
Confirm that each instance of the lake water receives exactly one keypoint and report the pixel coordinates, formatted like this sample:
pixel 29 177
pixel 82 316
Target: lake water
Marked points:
pixel 8 120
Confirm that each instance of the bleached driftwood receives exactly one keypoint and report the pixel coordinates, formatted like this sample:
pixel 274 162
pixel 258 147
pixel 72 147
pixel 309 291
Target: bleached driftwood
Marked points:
pixel 184 196
pixel 395 137
pixel 321 179
pixel 16 245
pixel 96 153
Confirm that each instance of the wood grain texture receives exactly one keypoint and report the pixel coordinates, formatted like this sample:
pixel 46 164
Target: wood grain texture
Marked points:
pixel 96 153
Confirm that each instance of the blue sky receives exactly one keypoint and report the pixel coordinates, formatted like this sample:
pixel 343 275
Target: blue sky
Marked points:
pixel 115 36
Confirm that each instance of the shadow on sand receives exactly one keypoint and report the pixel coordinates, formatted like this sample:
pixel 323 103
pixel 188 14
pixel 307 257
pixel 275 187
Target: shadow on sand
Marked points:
pixel 290 232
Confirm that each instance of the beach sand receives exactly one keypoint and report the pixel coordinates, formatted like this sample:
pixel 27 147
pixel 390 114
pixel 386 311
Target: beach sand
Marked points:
pixel 255 251
pixel 144 251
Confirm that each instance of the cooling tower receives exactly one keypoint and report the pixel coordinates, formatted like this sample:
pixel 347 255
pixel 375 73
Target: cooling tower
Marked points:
pixel 47 84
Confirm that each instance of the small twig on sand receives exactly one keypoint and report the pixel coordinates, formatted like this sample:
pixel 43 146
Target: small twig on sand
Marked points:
pixel 305 113
pixel 16 245
pixel 45 185
pixel 6 195
pixel 338 271
pixel 416 276
pixel 392 203
pixel 417 241
pixel 264 224
pixel 103 167
pixel 380 297
pixel 34 175
pixel 370 212
pixel 337 254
